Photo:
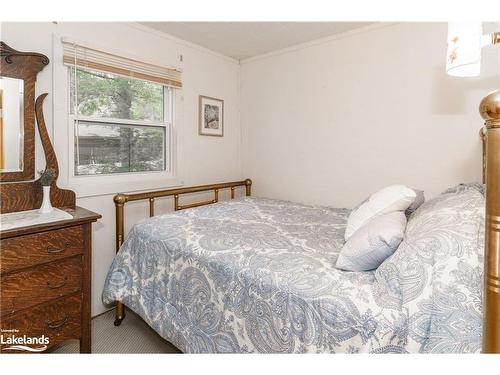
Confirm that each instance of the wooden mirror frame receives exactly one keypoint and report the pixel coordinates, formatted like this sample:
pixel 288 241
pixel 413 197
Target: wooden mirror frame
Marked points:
pixel 25 193
pixel 25 66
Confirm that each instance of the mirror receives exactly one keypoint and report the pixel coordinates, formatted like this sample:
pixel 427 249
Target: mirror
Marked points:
pixel 19 71
pixel 11 124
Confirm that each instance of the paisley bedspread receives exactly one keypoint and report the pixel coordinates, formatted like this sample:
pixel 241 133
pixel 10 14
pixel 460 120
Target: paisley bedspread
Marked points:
pixel 258 275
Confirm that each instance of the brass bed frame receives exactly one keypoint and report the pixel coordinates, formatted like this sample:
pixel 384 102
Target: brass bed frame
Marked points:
pixel 121 199
pixel 490 135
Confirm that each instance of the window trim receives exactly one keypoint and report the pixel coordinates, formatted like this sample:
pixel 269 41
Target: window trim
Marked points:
pixel 102 184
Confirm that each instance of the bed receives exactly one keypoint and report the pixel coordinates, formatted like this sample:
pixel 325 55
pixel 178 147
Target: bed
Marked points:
pixel 258 275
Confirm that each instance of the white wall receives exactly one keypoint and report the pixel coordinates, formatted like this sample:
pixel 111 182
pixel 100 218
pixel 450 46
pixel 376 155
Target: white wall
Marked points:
pixel 200 159
pixel 331 121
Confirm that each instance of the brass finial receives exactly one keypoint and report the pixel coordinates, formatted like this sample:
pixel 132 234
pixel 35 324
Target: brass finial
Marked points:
pixel 490 106
pixel 120 198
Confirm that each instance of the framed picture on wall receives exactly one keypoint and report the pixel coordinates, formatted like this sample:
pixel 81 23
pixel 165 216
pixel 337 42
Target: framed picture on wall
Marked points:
pixel 211 116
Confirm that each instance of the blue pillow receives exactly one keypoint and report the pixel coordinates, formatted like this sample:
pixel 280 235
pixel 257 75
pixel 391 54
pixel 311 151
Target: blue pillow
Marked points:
pixel 373 243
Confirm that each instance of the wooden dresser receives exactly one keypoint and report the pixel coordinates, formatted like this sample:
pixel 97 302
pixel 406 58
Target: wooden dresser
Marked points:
pixel 45 273
pixel 45 269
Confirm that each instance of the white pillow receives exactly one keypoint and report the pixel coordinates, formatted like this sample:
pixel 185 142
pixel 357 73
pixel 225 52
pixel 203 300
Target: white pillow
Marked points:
pixel 373 243
pixel 389 199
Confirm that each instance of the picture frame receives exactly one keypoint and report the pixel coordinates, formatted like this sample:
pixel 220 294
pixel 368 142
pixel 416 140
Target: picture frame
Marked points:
pixel 211 116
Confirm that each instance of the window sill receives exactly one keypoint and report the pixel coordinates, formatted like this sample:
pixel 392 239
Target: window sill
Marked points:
pixel 90 186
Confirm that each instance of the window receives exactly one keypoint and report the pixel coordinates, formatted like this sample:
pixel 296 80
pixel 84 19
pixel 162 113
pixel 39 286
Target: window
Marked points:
pixel 121 124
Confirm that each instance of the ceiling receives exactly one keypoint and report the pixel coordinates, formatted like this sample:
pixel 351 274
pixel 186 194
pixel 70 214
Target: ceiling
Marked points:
pixel 242 40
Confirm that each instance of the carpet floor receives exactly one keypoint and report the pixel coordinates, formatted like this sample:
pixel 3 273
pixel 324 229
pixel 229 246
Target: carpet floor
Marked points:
pixel 132 336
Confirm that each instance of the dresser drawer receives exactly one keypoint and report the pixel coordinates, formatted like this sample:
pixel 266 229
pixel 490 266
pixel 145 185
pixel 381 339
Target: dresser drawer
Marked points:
pixel 58 321
pixel 24 289
pixel 25 251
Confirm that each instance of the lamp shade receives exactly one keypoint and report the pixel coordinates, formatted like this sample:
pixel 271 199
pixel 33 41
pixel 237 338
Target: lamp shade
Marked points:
pixel 463 58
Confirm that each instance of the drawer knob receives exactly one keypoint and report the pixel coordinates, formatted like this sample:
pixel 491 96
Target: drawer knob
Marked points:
pixel 52 250
pixel 57 286
pixel 57 324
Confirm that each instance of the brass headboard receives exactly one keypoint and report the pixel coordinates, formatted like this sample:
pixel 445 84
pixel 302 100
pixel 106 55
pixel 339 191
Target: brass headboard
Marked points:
pixel 490 111
pixel 121 199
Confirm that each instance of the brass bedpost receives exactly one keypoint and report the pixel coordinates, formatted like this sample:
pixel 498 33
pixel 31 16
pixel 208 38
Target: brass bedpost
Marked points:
pixel 490 111
pixel 119 200
pixel 248 187
pixel 151 207
pixel 176 202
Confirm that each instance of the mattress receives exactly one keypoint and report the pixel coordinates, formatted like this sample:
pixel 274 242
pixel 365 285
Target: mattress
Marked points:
pixel 258 275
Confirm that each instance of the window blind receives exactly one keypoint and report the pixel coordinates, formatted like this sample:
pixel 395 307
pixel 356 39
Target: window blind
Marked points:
pixel 89 58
